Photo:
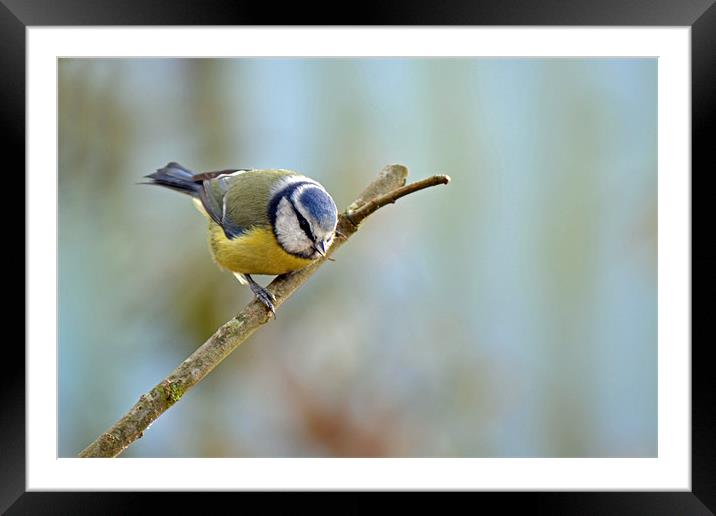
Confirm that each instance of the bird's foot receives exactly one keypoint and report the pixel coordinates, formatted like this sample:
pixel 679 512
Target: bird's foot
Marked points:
pixel 266 298
pixel 263 295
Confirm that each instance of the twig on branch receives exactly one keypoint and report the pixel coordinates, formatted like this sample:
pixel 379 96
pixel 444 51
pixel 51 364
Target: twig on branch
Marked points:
pixel 386 189
pixel 356 216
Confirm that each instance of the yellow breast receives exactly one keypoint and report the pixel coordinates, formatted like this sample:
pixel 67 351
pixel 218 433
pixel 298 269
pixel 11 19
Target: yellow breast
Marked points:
pixel 254 252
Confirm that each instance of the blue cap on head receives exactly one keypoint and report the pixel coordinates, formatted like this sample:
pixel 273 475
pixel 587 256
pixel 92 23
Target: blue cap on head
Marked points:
pixel 321 206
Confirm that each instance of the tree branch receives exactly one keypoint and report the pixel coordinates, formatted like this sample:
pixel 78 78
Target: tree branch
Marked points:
pixel 386 189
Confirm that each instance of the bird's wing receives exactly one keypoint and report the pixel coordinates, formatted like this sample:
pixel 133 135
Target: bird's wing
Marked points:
pixel 212 195
pixel 229 172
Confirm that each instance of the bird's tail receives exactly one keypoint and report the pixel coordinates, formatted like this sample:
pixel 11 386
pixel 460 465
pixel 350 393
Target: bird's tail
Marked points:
pixel 175 177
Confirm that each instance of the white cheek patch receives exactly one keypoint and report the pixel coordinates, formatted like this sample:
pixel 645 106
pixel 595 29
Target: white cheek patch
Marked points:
pixel 288 230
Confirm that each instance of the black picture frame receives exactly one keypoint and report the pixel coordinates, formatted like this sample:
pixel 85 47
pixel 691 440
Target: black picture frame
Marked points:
pixel 700 15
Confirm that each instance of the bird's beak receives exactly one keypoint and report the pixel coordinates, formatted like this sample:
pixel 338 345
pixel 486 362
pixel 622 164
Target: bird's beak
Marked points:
pixel 320 248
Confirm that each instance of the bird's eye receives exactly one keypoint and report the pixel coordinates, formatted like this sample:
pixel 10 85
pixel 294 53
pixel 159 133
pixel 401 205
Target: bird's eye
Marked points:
pixel 305 226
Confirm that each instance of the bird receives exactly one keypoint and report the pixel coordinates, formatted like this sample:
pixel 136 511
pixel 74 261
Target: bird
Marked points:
pixel 260 221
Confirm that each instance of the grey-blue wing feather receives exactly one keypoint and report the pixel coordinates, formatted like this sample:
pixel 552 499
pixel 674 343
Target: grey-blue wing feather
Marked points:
pixel 215 186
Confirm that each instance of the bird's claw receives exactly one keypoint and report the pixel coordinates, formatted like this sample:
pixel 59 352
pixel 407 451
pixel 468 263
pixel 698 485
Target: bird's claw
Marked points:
pixel 263 295
pixel 267 299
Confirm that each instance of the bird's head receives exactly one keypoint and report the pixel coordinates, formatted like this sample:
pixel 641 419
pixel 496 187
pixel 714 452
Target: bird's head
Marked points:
pixel 304 218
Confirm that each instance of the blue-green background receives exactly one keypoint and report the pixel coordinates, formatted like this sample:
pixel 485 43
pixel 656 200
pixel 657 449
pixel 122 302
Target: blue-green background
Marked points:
pixel 510 314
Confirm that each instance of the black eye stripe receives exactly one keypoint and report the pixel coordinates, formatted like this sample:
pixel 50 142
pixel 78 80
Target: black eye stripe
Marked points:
pixel 284 193
pixel 305 226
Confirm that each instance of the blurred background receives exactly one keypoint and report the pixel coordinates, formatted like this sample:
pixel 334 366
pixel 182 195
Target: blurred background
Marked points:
pixel 512 313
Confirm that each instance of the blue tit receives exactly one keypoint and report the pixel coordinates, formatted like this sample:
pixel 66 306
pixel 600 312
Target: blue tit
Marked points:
pixel 260 221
